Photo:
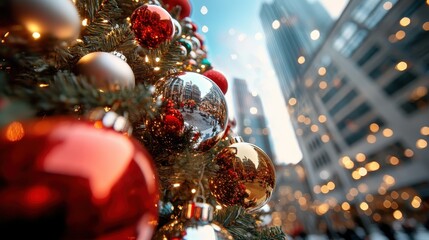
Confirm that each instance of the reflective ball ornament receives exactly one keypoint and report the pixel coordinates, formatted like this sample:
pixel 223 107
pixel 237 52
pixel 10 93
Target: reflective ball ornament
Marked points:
pixel 65 179
pixel 152 25
pixel 177 28
pixel 200 38
pixel 106 71
pixel 195 224
pixel 218 78
pixel 247 170
pixel 200 102
pixel 196 44
pixel 183 51
pixel 185 7
pixel 58 19
pixel 187 44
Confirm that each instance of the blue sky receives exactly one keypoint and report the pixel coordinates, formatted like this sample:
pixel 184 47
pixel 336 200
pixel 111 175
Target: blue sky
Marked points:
pixel 236 47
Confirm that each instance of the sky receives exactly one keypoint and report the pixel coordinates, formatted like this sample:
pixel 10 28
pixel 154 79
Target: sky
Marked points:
pixel 236 46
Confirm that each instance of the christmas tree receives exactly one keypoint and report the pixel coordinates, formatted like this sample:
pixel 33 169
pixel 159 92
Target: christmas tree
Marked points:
pixel 114 125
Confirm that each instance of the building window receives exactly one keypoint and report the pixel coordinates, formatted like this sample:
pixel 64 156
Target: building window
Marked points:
pixel 362 132
pixel 368 55
pixel 416 44
pixel 413 8
pixel 343 102
pixel 347 31
pixel 363 11
pixel 383 67
pixel 370 12
pixel 401 81
pixel 334 90
pixel 384 156
pixel 349 38
pixel 321 160
pixel 354 43
pixel 355 114
pixel 415 103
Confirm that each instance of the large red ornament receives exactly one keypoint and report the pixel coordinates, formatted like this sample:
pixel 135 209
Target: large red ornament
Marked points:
pixel 152 25
pixel 218 78
pixel 184 5
pixel 65 179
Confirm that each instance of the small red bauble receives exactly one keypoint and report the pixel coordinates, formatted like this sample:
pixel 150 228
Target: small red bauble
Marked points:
pixel 152 25
pixel 194 26
pixel 184 5
pixel 218 78
pixel 65 179
pixel 200 37
pixel 173 121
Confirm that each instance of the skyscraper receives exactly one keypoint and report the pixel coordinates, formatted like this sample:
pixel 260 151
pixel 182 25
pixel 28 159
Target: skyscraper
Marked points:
pixel 289 26
pixel 360 111
pixel 250 117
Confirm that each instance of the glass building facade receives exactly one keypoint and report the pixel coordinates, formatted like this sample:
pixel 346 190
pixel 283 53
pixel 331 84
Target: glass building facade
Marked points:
pixel 250 117
pixel 359 107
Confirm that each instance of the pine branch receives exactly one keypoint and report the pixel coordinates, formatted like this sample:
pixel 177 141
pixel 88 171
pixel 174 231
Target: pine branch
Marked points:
pixel 242 225
pixel 67 94
pixel 159 62
pixel 273 233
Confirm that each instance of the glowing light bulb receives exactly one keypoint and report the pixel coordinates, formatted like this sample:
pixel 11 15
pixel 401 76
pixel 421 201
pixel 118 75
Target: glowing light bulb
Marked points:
pixel 36 35
pixel 275 24
pixel 314 35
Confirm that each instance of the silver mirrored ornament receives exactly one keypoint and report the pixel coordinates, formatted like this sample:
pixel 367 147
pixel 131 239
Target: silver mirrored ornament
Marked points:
pixel 201 103
pixel 177 28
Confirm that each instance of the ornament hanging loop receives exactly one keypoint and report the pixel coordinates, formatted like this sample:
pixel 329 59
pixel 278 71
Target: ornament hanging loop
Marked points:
pixel 200 191
pixel 201 197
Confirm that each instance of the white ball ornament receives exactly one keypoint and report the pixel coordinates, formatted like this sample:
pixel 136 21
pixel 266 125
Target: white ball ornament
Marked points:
pixel 55 18
pixel 106 71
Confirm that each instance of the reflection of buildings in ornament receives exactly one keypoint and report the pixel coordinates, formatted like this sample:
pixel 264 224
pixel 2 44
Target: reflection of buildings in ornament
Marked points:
pixel 211 95
pixel 176 91
pixel 191 91
pixel 369 108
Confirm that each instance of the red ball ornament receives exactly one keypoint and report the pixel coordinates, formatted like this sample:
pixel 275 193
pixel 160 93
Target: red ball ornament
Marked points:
pixel 65 179
pixel 217 78
pixel 194 27
pixel 152 25
pixel 200 37
pixel 184 5
pixel 173 121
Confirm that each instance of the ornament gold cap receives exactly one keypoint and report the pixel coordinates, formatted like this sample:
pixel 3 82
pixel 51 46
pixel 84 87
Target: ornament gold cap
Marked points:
pixel 198 211
pixel 119 55
pixel 236 139
pixel 111 120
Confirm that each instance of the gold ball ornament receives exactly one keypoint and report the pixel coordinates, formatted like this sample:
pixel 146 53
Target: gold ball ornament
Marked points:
pixel 54 18
pixel 245 177
pixel 106 71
